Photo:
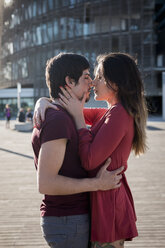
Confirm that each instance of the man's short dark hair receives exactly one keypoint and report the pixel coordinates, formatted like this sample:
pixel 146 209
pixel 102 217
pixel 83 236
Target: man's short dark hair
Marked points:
pixel 62 65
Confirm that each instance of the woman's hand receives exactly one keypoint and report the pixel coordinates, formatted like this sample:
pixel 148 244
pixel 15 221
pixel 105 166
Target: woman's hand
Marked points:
pixel 41 106
pixel 73 105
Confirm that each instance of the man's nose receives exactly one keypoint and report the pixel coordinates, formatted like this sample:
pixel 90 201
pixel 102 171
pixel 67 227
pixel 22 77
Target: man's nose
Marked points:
pixel 93 83
pixel 90 83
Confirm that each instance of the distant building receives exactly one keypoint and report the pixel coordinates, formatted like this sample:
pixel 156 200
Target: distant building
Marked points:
pixel 35 30
pixel 1 27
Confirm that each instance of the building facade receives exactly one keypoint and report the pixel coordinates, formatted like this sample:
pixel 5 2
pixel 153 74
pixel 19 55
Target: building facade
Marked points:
pixel 36 30
pixel 1 28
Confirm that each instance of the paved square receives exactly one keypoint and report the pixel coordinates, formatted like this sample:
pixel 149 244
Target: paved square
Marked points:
pixel 20 201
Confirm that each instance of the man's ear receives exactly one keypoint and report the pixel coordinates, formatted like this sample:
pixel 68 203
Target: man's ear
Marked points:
pixel 69 81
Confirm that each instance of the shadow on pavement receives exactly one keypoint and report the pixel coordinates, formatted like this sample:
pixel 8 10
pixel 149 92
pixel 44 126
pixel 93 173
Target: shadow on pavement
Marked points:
pixel 154 128
pixel 16 153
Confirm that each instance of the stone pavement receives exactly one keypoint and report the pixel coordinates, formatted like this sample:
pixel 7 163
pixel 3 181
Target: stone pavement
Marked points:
pixel 20 201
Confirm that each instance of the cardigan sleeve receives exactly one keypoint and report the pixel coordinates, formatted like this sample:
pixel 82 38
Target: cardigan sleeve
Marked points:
pixel 91 115
pixel 95 150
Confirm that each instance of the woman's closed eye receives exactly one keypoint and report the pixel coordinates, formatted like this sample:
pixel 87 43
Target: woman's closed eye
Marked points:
pixel 98 77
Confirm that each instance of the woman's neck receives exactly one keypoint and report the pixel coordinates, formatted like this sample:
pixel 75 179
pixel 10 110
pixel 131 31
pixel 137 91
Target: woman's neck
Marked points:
pixel 112 103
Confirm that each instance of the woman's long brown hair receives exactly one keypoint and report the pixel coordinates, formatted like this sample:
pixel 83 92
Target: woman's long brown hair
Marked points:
pixel 120 69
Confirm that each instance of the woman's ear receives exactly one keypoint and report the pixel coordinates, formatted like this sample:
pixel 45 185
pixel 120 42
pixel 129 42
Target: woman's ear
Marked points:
pixel 115 87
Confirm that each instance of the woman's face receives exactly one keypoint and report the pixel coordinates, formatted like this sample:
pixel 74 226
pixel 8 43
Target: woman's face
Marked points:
pixel 101 91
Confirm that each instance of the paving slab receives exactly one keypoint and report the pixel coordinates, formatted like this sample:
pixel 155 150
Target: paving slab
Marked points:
pixel 20 201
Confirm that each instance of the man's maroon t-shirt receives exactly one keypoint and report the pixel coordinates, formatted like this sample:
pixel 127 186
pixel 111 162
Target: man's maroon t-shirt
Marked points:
pixel 59 124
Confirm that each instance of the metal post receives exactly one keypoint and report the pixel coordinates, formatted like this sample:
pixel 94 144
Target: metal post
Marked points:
pixel 163 95
pixel 18 96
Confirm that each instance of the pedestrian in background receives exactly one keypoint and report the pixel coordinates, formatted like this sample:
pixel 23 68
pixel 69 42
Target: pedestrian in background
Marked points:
pixel 29 115
pixel 21 115
pixel 7 112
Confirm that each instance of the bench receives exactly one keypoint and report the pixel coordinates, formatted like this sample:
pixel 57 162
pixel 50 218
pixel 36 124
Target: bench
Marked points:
pixel 24 126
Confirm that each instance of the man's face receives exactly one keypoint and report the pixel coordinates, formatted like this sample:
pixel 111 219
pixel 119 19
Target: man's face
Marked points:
pixel 83 86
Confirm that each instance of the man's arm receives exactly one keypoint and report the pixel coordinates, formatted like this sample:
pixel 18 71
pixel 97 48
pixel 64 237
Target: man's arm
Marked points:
pixel 51 157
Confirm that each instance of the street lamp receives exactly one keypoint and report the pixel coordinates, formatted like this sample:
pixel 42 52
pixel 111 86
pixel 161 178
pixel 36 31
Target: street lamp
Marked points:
pixel 18 96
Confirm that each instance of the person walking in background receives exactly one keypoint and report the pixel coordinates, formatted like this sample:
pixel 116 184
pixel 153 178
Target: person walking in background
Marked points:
pixel 7 112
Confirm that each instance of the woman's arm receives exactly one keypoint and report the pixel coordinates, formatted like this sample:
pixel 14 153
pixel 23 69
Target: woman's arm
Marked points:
pixel 92 115
pixel 51 183
pixel 95 150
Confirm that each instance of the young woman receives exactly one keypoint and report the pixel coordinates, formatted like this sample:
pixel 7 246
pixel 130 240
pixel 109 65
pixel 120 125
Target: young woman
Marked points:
pixel 113 133
pixel 7 112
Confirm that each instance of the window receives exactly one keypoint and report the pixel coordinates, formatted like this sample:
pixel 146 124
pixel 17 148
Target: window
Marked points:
pixel 44 6
pixel 44 33
pixel 124 24
pixel 72 2
pixel 39 7
pixel 64 2
pixel 50 31
pixel 115 23
pixel 147 56
pixel 39 37
pixel 50 4
pixel 135 23
pixel 63 27
pixel 87 12
pixel 7 71
pixel 124 44
pixel 30 10
pixel 56 29
pixel 34 35
pixel 136 47
pixel 22 43
pixel 70 27
pixel 26 14
pixel 24 69
pixel 16 43
pixel 147 21
pixel 105 24
pixel 115 43
pixel 78 27
pixel 147 37
pixel 15 70
pixel 34 9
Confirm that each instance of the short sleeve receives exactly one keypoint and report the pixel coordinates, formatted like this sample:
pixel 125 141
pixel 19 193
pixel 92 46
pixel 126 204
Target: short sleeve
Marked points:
pixel 56 127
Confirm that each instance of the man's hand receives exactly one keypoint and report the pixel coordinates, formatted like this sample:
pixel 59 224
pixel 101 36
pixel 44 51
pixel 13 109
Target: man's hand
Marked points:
pixel 109 179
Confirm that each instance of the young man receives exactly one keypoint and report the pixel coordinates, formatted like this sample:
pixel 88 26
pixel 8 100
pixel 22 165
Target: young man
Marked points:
pixel 62 180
